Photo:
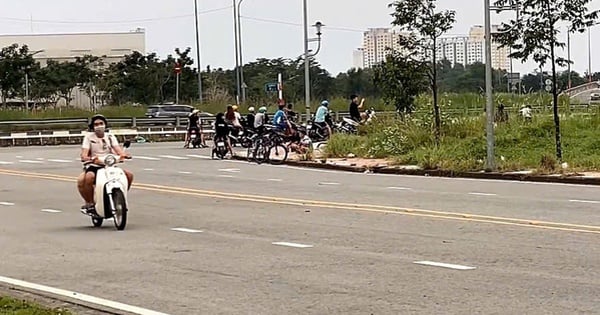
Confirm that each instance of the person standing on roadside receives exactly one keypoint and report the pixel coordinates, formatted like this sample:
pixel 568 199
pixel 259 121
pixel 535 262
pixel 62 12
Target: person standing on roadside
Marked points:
pixel 355 108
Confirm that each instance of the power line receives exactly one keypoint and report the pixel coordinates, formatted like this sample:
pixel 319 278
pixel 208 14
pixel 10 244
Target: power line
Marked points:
pixel 345 29
pixel 113 22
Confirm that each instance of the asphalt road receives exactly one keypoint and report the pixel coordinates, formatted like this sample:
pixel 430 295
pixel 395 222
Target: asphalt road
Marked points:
pixel 534 247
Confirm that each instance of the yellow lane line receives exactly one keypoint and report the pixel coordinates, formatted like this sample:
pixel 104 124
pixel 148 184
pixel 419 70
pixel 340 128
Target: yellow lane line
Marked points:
pixel 335 205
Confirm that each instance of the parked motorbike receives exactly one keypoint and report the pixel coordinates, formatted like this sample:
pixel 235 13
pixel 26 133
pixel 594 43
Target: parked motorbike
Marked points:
pixel 195 138
pixel 220 149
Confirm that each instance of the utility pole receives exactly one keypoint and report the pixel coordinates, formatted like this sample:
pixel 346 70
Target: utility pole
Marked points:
pixel 198 52
pixel 241 62
pixel 237 58
pixel 489 97
pixel 306 64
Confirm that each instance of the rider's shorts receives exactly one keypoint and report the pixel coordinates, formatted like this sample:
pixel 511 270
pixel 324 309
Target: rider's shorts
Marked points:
pixel 92 168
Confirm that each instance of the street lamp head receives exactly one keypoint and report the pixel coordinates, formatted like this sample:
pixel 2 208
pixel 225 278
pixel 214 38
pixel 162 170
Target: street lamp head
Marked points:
pixel 319 25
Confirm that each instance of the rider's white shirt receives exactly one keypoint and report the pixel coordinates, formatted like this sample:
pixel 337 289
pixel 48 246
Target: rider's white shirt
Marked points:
pixel 99 146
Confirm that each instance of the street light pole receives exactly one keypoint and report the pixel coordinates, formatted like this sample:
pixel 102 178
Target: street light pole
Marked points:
pixel 241 62
pixel 589 54
pixel 198 52
pixel 306 64
pixel 237 64
pixel 307 56
pixel 27 80
pixel 489 97
pixel 569 56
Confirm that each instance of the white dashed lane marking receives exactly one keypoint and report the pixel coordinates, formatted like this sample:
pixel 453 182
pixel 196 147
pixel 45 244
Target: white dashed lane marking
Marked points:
pixel 295 245
pixel 444 265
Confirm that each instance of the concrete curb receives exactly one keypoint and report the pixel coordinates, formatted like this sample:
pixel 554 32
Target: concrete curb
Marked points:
pixel 55 301
pixel 578 180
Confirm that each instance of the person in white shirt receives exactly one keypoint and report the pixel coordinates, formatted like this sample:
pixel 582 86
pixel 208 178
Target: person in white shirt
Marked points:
pixel 526 112
pixel 96 143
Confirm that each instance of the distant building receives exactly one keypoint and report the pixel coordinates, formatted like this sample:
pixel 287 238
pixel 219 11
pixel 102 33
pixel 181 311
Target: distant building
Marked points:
pixel 358 57
pixel 111 47
pixel 64 47
pixel 463 50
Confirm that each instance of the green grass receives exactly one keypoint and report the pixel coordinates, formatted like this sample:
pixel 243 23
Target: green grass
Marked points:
pixel 19 307
pixel 519 145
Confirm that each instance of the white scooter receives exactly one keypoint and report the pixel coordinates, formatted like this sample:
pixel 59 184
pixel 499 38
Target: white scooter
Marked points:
pixel 110 192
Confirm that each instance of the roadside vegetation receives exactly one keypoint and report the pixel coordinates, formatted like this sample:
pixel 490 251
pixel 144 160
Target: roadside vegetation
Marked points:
pixel 520 145
pixel 20 307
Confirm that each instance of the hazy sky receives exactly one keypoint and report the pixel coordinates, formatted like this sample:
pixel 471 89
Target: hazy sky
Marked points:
pixel 271 28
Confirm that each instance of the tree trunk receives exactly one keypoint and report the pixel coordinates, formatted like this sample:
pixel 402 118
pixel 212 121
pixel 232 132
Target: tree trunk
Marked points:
pixel 555 96
pixel 434 88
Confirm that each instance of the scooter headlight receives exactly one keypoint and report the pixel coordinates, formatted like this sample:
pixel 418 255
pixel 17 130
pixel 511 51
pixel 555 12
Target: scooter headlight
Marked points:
pixel 110 160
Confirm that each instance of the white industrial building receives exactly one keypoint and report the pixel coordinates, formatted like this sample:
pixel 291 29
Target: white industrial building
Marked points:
pixel 111 47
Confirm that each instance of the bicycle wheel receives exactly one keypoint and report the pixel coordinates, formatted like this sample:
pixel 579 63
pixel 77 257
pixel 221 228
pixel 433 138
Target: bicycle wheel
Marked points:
pixel 277 154
pixel 259 151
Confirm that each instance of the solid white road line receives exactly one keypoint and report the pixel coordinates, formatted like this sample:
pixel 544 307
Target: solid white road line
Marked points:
pixel 226 176
pixel 81 297
pixel 146 158
pixel 444 265
pixel 173 157
pixel 481 194
pixel 296 245
pixel 183 172
pixel 584 201
pixel 148 169
pixel 275 180
pixel 4 203
pixel 185 230
pixel 51 211
pixel 5 163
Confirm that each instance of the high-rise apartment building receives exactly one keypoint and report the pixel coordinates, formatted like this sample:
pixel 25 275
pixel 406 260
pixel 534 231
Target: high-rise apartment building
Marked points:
pixel 459 49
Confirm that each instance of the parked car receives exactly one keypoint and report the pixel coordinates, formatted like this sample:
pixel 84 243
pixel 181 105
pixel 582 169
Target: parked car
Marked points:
pixel 595 97
pixel 171 110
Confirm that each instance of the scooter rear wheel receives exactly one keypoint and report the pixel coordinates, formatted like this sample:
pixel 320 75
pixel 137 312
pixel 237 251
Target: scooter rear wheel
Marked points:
pixel 120 216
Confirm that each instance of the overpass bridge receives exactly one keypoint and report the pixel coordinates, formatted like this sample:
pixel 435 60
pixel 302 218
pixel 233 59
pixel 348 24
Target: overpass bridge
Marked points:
pixel 581 93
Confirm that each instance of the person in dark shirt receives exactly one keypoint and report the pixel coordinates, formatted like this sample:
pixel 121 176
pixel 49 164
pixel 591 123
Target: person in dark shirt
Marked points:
pixel 194 123
pixel 291 114
pixel 355 108
pixel 222 131
pixel 250 118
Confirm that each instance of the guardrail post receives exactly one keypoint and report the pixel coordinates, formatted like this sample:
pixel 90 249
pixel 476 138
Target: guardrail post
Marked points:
pixel 134 122
pixel 177 121
pixel 337 116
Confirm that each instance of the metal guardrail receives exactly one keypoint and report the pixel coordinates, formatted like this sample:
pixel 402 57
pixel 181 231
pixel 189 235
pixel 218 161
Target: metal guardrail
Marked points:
pixel 178 122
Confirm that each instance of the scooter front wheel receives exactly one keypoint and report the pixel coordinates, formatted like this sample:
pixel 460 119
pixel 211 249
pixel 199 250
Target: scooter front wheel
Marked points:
pixel 120 215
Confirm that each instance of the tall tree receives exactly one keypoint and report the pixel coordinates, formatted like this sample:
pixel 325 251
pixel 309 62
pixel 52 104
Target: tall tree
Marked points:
pixel 422 27
pixel 400 79
pixel 535 34
pixel 14 60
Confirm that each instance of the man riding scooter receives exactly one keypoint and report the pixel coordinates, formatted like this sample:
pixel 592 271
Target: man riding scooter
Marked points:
pixel 96 143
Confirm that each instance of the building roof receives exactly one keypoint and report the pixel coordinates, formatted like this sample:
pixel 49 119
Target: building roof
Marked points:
pixel 136 31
